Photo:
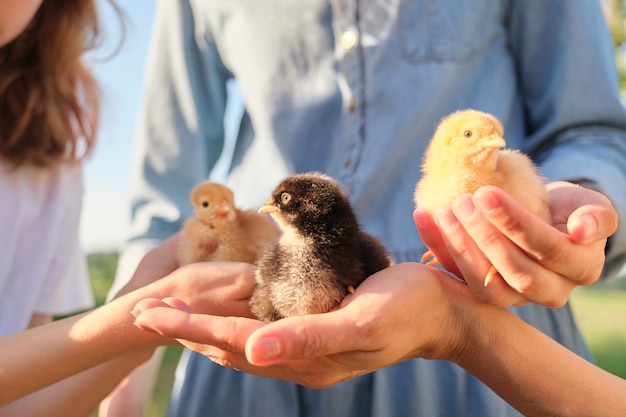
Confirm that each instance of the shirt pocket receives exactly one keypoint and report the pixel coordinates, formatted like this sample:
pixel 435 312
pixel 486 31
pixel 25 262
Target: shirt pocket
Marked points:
pixel 442 30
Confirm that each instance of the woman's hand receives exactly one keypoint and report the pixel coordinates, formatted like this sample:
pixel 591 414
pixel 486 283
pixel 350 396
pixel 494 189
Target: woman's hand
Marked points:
pixel 219 288
pixel 156 264
pixel 402 312
pixel 537 262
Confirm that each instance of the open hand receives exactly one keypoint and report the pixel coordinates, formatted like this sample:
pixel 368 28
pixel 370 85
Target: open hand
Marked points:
pixel 405 311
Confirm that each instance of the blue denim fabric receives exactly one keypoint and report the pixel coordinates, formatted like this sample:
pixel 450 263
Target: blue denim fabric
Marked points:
pixel 355 89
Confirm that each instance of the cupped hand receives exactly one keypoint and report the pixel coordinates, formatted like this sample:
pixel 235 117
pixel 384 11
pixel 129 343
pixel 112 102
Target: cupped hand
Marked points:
pixel 156 264
pixel 405 311
pixel 220 288
pixel 537 262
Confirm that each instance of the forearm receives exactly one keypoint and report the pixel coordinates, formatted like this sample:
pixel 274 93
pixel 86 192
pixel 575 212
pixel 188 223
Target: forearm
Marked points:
pixel 67 347
pixel 534 373
pixel 78 395
pixel 64 348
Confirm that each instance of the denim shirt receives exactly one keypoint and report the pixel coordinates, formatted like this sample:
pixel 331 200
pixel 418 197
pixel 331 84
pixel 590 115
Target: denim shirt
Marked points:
pixel 355 90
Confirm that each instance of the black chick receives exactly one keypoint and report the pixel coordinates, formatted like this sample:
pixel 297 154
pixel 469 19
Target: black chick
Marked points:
pixel 322 254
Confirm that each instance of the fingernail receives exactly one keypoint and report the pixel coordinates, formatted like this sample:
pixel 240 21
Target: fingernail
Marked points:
pixel 267 348
pixel 590 226
pixel 422 220
pixel 145 327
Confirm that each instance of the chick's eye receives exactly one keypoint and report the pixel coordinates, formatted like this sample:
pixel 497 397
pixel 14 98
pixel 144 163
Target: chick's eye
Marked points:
pixel 205 204
pixel 468 133
pixel 285 198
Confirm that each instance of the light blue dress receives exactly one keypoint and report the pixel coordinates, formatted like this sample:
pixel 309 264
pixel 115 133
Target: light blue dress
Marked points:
pixel 355 89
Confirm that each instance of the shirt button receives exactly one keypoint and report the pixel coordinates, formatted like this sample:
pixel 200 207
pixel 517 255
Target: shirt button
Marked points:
pixel 352 106
pixel 349 38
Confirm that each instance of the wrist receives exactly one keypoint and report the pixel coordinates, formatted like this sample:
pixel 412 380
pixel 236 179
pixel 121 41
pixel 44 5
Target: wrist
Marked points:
pixel 459 328
pixel 446 316
pixel 111 327
pixel 481 329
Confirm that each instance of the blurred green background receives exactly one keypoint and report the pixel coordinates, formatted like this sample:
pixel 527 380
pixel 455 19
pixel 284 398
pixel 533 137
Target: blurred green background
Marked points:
pixel 600 311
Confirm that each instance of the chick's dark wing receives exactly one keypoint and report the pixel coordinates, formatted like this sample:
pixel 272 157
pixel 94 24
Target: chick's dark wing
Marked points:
pixel 373 254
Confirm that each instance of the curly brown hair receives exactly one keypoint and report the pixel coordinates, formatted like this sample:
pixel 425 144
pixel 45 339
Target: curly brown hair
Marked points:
pixel 49 101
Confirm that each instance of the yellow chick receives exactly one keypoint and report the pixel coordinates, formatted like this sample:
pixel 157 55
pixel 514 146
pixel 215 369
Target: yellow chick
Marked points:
pixel 221 232
pixel 465 154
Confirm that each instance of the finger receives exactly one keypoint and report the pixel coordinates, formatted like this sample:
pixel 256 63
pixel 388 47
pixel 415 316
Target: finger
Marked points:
pixel 590 224
pixel 430 235
pixel 513 239
pixel 223 340
pixel 303 337
pixel 536 238
pixel 178 304
pixel 146 304
pixel 471 260
pixel 574 203
pixel 149 303
pixel 227 333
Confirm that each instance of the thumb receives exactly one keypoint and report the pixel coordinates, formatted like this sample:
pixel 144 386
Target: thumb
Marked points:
pixel 227 333
pixel 303 337
pixel 592 223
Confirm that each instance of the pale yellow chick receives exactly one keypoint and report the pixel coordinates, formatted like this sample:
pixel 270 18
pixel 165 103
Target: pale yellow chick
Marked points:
pixel 221 232
pixel 465 154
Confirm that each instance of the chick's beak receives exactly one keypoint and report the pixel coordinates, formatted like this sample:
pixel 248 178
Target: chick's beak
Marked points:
pixel 222 209
pixel 494 142
pixel 269 208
